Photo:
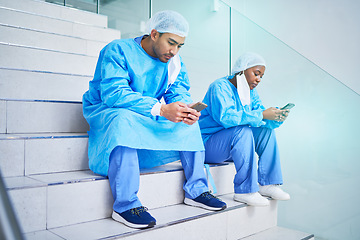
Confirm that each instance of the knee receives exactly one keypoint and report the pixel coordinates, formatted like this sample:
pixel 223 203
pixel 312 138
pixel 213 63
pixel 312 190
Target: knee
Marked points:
pixel 270 133
pixel 243 133
pixel 243 130
pixel 261 134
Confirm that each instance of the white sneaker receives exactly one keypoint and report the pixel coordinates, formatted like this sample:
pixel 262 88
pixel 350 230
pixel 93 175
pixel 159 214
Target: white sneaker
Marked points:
pixel 252 199
pixel 274 191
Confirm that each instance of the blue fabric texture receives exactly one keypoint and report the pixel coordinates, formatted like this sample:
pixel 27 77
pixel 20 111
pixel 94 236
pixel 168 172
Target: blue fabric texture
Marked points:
pixel 127 83
pixel 225 109
pixel 233 132
pixel 239 144
pixel 124 176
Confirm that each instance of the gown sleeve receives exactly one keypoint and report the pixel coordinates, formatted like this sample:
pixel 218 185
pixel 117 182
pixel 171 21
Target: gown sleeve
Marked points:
pixel 179 90
pixel 226 113
pixel 114 87
pixel 256 105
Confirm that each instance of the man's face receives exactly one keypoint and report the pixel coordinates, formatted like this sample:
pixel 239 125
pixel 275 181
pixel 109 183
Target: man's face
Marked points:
pixel 253 76
pixel 167 45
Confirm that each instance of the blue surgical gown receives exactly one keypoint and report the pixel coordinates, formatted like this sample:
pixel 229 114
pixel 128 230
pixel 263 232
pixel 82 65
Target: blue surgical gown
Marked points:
pixel 126 85
pixel 225 109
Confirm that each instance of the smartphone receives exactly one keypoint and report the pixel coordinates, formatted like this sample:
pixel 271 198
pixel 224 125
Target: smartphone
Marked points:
pixel 199 106
pixel 288 106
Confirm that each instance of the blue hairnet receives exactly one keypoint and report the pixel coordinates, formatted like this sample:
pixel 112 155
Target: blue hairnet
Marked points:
pixel 168 22
pixel 246 61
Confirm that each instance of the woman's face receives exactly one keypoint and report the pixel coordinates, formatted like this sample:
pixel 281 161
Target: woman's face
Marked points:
pixel 253 75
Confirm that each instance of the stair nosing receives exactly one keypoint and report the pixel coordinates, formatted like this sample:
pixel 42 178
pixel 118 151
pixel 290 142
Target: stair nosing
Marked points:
pixel 52 33
pixel 90 178
pixel 38 100
pixel 31 136
pixel 45 72
pixel 45 49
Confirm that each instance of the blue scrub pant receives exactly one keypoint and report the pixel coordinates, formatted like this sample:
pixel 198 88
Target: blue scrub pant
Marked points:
pixel 239 144
pixel 124 176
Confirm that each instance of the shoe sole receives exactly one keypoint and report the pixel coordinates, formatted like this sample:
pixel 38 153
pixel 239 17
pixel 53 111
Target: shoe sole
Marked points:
pixel 269 195
pixel 122 220
pixel 251 204
pixel 191 202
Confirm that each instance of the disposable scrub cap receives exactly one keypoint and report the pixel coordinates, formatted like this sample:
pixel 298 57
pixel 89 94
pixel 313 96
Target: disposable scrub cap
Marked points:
pixel 168 22
pixel 246 61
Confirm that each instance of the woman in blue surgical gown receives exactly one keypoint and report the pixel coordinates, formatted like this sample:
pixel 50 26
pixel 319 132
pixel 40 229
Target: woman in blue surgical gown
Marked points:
pixel 236 125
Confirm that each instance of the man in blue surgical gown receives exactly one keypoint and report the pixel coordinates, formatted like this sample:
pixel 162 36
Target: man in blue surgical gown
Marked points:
pixel 236 125
pixel 139 101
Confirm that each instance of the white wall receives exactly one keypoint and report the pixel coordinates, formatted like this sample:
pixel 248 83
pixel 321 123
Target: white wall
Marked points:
pixel 327 32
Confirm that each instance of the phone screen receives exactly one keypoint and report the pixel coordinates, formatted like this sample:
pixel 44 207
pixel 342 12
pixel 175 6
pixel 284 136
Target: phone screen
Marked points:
pixel 288 106
pixel 199 106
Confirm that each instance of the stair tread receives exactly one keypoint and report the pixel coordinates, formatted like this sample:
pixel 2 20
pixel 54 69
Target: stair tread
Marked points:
pixel 10 26
pixel 165 216
pixel 280 233
pixel 39 180
pixel 79 64
pixel 48 179
pixel 52 41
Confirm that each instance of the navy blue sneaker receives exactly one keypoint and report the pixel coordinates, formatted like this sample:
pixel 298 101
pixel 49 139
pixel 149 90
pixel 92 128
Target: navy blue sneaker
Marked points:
pixel 207 201
pixel 135 218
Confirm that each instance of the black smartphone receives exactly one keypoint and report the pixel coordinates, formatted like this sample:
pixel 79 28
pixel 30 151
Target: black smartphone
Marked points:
pixel 199 106
pixel 288 106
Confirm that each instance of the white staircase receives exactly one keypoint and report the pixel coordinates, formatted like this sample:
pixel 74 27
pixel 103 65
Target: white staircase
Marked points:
pixel 48 56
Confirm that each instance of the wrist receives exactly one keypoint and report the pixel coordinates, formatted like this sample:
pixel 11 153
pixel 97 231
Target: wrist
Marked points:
pixel 162 110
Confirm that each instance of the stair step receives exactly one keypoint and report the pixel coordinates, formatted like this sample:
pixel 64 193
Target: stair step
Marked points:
pixel 82 196
pixel 52 41
pixel 57 11
pixel 43 117
pixel 38 59
pixel 237 221
pixel 280 233
pixel 53 25
pixel 42 85
pixel 42 153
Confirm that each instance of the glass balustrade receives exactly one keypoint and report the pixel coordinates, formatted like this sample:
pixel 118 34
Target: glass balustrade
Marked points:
pixel 317 142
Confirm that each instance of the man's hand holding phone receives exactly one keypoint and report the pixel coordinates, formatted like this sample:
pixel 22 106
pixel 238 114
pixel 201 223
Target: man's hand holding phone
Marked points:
pixel 174 112
pixel 194 112
pixel 180 112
